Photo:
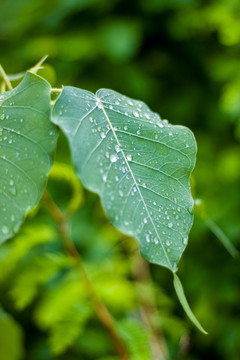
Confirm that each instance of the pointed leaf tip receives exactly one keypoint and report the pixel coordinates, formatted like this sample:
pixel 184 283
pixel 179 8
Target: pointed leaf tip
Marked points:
pixel 182 298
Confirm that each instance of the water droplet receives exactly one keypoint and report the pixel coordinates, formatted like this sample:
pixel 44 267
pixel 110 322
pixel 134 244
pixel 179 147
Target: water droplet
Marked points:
pixel 129 157
pixel 11 182
pixel 170 134
pixel 168 243
pixel 125 127
pixel 147 238
pixel 121 193
pixel 104 177
pixel 170 225
pixel 113 158
pixel 110 107
pixel 117 148
pixel 135 113
pixel 160 124
pixel 5 230
pixel 103 135
pixel 99 104
pixel 145 220
pixel 185 240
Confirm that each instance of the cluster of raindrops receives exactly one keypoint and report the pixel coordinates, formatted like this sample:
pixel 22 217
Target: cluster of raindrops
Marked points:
pixel 118 125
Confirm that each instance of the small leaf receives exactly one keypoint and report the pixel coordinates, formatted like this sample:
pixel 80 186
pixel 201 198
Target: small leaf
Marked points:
pixel 137 163
pixel 27 141
pixel 182 298
pixel 11 338
pixel 64 332
pixel 136 338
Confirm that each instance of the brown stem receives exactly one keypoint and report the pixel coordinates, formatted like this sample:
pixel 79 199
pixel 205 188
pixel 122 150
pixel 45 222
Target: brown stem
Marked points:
pixel 148 309
pixel 103 314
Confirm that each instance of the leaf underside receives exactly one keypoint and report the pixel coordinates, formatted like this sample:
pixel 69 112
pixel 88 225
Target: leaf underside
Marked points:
pixel 27 141
pixel 138 164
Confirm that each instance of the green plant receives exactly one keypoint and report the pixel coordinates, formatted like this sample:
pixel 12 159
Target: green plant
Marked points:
pixel 138 163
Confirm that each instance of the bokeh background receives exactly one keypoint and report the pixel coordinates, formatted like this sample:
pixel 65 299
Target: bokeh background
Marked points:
pixel 182 57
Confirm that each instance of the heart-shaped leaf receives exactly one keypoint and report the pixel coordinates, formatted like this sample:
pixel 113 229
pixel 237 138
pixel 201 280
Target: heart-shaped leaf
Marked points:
pixel 137 163
pixel 27 141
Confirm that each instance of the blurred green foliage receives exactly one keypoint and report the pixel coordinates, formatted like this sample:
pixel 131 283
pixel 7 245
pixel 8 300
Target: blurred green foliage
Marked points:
pixel 182 57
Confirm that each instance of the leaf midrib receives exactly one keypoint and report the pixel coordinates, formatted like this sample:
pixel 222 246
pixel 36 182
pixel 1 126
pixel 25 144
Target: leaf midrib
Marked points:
pixel 135 182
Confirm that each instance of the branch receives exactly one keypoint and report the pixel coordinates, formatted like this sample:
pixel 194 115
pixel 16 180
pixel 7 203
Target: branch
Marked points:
pixel 102 313
pixel 148 309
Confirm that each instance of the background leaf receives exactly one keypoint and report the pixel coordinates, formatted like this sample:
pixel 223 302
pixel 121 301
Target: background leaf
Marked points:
pixel 27 140
pixel 11 338
pixel 137 163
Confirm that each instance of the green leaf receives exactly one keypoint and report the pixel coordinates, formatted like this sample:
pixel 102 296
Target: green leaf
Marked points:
pixel 137 163
pixel 136 338
pixel 27 141
pixel 64 332
pixel 182 298
pixel 11 338
pixel 21 245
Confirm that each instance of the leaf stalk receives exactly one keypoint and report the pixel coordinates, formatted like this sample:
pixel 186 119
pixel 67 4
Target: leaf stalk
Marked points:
pixel 101 311
pixel 5 78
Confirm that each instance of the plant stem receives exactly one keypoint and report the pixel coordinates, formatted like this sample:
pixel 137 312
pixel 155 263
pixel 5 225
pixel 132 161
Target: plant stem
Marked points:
pixel 38 66
pixel 56 90
pixel 148 308
pixel 103 314
pixel 5 78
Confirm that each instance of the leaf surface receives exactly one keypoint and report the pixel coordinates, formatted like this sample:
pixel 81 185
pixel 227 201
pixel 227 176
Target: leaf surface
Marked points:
pixel 137 163
pixel 27 141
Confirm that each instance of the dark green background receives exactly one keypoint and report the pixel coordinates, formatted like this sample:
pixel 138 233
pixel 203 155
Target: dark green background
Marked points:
pixel 182 57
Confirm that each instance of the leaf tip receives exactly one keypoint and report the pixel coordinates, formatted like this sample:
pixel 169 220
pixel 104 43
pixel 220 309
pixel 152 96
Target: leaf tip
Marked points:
pixel 183 300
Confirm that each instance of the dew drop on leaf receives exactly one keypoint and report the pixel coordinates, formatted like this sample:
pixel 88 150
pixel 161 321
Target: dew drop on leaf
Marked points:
pixel 117 148
pixel 113 158
pixel 5 230
pixel 147 238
